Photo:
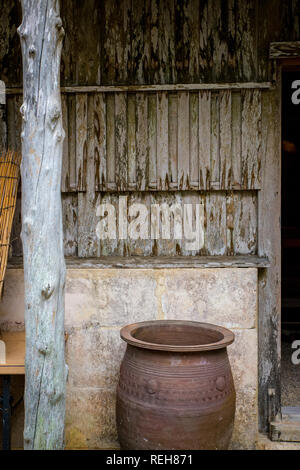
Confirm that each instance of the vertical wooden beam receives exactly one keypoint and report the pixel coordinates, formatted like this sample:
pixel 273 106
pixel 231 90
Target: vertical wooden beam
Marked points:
pixel 162 142
pixel 110 142
pixel 72 142
pixel 225 139
pixel 236 141
pixel 41 34
pixel 100 140
pixel 121 141
pixel 215 142
pixel 81 140
pixel 194 141
pixel 183 144
pixel 204 139
pixel 215 205
pixel 152 136
pixel 142 162
pixel 65 175
pixel 269 202
pixel 88 244
pixel 251 139
pixel 131 141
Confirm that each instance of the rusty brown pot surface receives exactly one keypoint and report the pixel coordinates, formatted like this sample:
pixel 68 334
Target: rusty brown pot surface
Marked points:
pixel 176 389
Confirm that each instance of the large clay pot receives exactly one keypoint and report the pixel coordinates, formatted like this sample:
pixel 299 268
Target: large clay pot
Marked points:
pixel 176 389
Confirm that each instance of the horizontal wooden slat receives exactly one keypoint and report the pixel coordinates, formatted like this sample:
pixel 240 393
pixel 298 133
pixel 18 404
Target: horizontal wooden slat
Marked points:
pixel 152 262
pixel 163 87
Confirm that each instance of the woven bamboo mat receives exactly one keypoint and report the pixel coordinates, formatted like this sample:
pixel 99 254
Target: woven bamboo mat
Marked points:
pixel 9 179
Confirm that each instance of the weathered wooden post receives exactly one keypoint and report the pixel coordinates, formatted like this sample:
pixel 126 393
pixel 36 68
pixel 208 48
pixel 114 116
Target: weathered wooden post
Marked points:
pixel 41 36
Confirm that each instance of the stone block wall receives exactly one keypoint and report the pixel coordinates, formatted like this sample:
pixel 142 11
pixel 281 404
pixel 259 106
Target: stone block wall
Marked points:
pixel 100 301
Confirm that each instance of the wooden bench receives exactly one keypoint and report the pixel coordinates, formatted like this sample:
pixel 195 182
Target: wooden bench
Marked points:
pixel 12 364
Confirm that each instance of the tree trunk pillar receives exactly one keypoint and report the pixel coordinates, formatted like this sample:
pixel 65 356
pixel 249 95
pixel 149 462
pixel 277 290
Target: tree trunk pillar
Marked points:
pixel 41 35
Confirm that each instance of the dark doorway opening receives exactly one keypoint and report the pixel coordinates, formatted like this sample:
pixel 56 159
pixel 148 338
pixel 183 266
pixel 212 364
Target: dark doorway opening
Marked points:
pixel 290 227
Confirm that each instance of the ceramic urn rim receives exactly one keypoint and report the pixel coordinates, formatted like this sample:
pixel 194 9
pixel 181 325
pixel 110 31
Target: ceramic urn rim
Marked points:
pixel 127 332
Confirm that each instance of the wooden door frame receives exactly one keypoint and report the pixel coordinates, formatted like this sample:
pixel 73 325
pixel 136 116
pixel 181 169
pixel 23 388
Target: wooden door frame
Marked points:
pixel 269 245
pixel 285 56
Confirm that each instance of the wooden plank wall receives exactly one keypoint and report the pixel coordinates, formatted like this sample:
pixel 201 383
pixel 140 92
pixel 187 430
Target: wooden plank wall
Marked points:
pixel 158 147
pixel 205 143
pixel 159 41
pixel 189 142
pixel 230 224
pixel 184 140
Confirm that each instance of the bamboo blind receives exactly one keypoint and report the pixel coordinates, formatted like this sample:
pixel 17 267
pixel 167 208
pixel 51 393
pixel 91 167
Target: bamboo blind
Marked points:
pixel 9 178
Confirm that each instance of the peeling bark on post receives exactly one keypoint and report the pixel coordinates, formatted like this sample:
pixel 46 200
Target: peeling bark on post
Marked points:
pixel 41 36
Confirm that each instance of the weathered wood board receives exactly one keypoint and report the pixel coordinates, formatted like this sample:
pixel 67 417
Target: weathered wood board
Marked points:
pixel 229 224
pixel 284 50
pixel 158 141
pixel 162 41
pixel 165 142
pixel 269 244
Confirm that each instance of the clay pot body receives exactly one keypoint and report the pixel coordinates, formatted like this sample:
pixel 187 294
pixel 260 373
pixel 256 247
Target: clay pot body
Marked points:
pixel 176 388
